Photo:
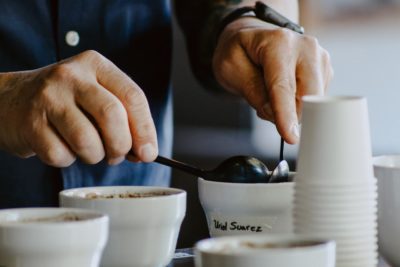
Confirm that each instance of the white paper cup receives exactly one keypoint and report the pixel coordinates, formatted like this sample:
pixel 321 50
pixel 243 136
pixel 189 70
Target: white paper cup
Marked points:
pixel 335 144
pixel 256 251
pixel 143 230
pixel 387 171
pixel 43 237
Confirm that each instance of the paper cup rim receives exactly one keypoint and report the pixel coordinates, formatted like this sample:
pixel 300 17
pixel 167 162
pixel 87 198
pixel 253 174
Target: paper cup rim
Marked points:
pixel 325 99
pixel 377 161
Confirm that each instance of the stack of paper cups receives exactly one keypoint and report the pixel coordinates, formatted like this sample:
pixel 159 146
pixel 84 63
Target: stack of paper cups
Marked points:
pixel 335 189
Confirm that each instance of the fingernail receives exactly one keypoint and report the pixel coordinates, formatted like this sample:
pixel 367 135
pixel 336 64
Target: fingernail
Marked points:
pixel 295 130
pixel 147 152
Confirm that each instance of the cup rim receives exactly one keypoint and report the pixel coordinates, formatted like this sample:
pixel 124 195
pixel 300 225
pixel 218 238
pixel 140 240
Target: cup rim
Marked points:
pixel 204 246
pixel 322 210
pixel 242 185
pixel 332 224
pixel 96 217
pixel 377 161
pixel 73 193
pixel 326 99
pixel 354 183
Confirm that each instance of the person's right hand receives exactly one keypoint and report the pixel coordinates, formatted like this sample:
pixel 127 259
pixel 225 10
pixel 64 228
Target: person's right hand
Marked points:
pixel 81 107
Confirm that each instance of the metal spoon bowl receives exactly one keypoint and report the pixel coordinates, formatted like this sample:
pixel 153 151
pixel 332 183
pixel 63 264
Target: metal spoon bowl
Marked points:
pixel 237 169
pixel 281 172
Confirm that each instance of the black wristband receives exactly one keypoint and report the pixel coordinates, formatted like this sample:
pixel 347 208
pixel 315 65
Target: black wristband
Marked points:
pixel 262 12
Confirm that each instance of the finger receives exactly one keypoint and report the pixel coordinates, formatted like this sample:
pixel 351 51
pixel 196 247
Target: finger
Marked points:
pixel 329 72
pixel 309 81
pixel 111 120
pixel 279 74
pixel 243 77
pixel 80 134
pixel 50 148
pixel 254 91
pixel 132 158
pixel 144 137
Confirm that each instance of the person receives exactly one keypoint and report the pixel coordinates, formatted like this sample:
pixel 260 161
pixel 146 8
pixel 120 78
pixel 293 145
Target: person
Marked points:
pixel 85 85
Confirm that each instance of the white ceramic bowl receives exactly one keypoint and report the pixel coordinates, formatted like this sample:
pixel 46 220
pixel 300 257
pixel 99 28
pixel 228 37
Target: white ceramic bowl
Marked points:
pixel 264 250
pixel 387 171
pixel 143 231
pixel 237 208
pixel 28 238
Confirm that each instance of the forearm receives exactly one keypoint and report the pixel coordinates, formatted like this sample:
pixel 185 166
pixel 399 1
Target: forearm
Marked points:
pixel 199 21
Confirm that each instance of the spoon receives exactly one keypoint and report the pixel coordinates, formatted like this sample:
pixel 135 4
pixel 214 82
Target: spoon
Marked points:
pixel 281 171
pixel 237 169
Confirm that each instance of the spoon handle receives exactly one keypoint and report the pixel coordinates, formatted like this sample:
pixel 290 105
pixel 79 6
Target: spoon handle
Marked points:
pixel 180 166
pixel 281 150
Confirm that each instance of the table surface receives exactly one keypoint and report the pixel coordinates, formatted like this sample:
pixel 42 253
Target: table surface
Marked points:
pixel 185 258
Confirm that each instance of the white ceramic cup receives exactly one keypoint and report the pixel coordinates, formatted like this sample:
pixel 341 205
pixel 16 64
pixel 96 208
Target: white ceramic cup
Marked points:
pixel 387 171
pixel 143 231
pixel 40 237
pixel 264 250
pixel 239 209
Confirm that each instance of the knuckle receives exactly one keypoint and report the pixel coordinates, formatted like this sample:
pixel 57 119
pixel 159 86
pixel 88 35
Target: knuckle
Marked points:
pixel 92 54
pixel 242 36
pixel 119 148
pixel 94 57
pixel 311 42
pixel 281 84
pixel 82 142
pixel 145 132
pixel 62 72
pixel 34 125
pixel 113 110
pixel 46 96
pixel 57 156
pixel 282 34
pixel 135 98
pixel 84 145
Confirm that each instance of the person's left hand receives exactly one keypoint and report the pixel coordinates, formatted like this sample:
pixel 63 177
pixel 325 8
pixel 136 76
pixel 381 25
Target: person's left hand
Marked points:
pixel 272 68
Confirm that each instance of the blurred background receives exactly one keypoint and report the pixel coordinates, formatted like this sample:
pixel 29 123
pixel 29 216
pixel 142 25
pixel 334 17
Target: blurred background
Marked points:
pixel 363 39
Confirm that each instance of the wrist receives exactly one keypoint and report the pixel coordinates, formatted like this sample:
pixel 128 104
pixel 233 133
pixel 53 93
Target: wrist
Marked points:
pixel 259 11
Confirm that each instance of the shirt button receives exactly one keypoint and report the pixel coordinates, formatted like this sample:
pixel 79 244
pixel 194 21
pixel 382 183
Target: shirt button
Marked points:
pixel 72 38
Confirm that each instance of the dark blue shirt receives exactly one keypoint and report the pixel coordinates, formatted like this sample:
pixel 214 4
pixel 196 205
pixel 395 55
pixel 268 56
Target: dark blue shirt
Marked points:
pixel 134 34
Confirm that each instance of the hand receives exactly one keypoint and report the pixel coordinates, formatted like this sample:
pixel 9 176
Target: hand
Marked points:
pixel 272 68
pixel 81 107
